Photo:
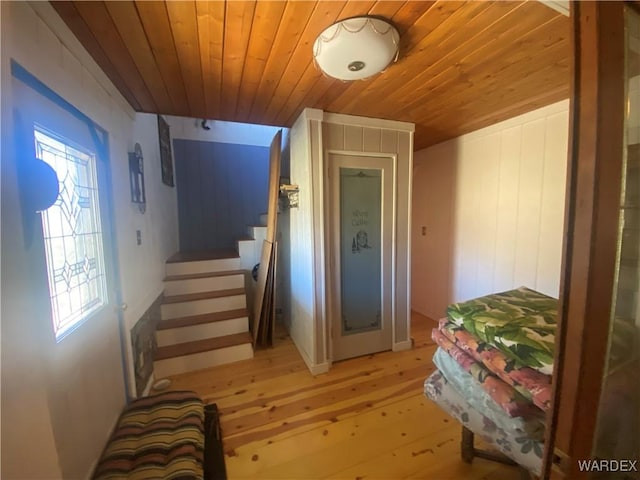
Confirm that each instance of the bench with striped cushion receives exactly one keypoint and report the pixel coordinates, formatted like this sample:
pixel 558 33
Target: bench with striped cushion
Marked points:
pixel 160 436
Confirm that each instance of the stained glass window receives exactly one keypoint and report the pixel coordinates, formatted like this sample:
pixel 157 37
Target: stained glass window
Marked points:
pixel 72 234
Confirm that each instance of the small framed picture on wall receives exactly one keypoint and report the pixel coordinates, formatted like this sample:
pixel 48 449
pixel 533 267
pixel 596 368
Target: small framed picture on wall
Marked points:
pixel 166 160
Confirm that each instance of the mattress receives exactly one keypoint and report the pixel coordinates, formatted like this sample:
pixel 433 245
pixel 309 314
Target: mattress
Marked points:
pixel 520 447
pixel 530 383
pixel 160 436
pixel 477 398
pixel 520 323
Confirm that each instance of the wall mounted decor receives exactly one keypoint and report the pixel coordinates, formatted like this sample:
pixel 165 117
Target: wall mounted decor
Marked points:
pixel 166 161
pixel 136 178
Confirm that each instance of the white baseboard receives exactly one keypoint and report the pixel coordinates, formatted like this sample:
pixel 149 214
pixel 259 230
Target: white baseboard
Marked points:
pixel 400 346
pixel 314 368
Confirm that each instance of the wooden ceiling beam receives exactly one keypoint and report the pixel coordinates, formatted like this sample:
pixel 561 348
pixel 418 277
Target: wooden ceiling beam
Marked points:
pixel 324 15
pixel 211 24
pixel 292 25
pixel 239 22
pixel 184 29
pixel 312 79
pixel 266 21
pixel 97 18
pixel 127 22
pixel 155 21
pixel 443 45
pixel 472 76
pixel 73 19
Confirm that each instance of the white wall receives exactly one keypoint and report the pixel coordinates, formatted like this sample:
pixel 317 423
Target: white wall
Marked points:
pixel 492 204
pixel 221 132
pixel 57 412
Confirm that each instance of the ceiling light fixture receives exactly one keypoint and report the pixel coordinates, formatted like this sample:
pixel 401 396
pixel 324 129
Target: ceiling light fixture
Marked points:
pixel 356 48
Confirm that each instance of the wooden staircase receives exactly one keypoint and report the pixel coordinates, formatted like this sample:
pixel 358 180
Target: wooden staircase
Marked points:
pixel 204 316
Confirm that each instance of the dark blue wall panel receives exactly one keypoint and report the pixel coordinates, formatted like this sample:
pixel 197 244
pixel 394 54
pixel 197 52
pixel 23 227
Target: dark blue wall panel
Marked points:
pixel 222 188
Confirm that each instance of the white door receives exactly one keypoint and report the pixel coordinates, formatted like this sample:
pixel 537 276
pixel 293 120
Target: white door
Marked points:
pixel 360 221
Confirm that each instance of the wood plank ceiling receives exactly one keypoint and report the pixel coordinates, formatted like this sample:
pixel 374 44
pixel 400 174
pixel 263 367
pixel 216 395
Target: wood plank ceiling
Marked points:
pixel 462 65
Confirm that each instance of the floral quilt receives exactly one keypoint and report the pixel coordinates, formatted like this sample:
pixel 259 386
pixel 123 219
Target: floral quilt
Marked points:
pixel 532 384
pixel 512 402
pixel 521 448
pixel 520 323
pixel 477 398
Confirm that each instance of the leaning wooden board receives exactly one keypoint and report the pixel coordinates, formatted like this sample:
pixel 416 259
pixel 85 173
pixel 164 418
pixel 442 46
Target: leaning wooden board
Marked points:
pixel 263 297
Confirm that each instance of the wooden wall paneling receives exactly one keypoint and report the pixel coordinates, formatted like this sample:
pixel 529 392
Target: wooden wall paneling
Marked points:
pixel 294 106
pixel 74 20
pixel 155 21
pixel 217 198
pixel 488 183
pixel 313 86
pixel 465 102
pixel 553 179
pixel 403 19
pixel 591 223
pixel 388 141
pixel 353 138
pixel 462 86
pixel 404 167
pixel 274 182
pixel 471 224
pixel 290 30
pixel 441 21
pixel 333 137
pixel 371 139
pixel 384 8
pixel 261 288
pixel 506 221
pixel 322 86
pixel 471 62
pixel 516 108
pixel 265 26
pixel 184 28
pixel 125 18
pixel 263 300
pixel 324 15
pixel 239 18
pixel 189 196
pixel 211 23
pixel 529 200
pixel 99 21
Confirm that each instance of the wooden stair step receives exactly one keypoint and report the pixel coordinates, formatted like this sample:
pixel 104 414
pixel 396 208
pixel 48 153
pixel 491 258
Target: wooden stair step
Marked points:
pixel 218 254
pixel 189 348
pixel 244 238
pixel 204 318
pixel 190 297
pixel 195 276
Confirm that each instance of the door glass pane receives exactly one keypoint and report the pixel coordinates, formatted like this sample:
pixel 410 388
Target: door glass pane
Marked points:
pixel 360 249
pixel 618 428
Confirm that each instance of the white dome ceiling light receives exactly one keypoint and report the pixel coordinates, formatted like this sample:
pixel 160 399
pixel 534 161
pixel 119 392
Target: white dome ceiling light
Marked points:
pixel 356 48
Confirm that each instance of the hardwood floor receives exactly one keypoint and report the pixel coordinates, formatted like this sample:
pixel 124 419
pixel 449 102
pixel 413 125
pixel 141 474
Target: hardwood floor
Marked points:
pixel 366 418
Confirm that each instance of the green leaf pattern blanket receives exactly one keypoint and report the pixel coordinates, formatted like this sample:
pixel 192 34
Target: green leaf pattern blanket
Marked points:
pixel 521 323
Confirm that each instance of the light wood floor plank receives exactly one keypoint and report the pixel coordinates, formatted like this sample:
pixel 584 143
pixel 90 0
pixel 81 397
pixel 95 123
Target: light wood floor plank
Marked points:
pixel 366 418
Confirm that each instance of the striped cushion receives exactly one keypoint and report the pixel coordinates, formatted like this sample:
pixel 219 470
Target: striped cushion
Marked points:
pixel 161 436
